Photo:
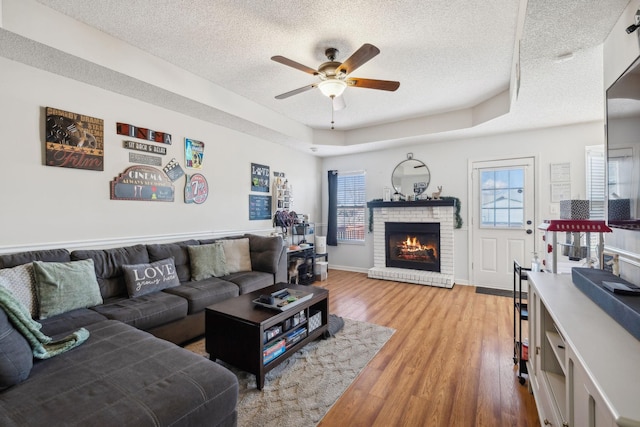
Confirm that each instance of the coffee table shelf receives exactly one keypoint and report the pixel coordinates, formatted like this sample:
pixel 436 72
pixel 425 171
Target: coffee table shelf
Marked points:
pixel 235 329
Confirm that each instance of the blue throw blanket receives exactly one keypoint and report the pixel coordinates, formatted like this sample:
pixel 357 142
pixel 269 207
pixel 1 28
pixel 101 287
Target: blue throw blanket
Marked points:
pixel 43 346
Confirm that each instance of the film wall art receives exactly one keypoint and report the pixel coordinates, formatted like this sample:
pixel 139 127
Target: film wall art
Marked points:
pixel 142 183
pixel 143 133
pixel 193 153
pixel 73 140
pixel 196 189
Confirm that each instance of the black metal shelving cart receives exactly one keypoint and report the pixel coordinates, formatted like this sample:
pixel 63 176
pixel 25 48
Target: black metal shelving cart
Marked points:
pixel 520 313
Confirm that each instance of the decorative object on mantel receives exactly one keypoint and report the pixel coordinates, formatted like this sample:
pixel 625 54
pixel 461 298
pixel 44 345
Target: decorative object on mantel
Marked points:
pixel 143 133
pixel 411 175
pixel 142 183
pixel 74 140
pixel 442 201
pixel 436 194
pixel 196 189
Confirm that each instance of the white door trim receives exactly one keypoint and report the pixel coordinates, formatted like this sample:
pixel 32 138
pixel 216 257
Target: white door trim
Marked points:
pixel 537 174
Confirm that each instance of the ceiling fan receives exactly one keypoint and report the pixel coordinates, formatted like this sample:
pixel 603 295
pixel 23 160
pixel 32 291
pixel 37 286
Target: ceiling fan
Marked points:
pixel 334 76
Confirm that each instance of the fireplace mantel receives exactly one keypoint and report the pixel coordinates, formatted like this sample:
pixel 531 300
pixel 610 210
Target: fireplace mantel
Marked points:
pixel 439 211
pixel 415 203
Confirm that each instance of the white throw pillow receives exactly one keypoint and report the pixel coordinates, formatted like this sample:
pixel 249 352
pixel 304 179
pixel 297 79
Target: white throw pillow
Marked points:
pixel 237 255
pixel 21 282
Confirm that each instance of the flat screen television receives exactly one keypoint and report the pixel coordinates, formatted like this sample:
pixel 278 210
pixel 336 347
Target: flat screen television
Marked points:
pixel 623 150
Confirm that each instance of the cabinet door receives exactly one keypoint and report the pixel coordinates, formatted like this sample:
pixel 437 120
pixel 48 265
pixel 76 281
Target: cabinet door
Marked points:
pixel 586 406
pixel 534 339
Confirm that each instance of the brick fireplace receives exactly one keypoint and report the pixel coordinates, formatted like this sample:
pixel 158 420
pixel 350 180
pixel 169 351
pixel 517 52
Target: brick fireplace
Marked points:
pixel 430 212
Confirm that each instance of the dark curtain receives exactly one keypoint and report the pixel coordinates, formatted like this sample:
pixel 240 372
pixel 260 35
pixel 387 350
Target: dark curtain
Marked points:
pixel 332 226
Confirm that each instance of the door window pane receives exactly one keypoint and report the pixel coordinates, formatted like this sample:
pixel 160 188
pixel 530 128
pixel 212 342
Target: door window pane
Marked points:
pixel 502 204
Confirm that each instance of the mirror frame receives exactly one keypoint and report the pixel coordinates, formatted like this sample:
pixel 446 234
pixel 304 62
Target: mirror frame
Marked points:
pixel 398 175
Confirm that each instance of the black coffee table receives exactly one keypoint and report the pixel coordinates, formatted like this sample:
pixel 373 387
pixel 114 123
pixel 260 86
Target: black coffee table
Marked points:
pixel 235 329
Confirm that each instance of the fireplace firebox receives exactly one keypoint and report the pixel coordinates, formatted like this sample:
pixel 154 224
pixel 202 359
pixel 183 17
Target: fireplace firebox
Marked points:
pixel 413 245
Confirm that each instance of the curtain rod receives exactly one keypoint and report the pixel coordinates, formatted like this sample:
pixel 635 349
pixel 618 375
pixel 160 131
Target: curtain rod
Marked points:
pixel 351 172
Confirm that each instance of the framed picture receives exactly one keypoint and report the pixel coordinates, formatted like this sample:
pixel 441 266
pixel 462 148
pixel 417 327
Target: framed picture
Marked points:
pixel 259 178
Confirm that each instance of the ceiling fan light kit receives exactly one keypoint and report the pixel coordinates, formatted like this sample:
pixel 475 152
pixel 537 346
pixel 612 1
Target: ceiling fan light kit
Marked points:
pixel 332 88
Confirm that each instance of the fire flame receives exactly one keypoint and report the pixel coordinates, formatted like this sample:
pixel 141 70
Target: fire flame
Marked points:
pixel 412 244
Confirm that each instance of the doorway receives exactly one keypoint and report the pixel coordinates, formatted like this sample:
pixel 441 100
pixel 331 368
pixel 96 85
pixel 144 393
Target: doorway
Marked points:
pixel 503 219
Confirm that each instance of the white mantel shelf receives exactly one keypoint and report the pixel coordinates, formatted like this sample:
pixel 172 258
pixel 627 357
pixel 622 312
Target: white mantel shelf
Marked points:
pixel 433 211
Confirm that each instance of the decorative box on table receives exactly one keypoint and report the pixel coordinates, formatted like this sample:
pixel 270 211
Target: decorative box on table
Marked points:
pixel 574 209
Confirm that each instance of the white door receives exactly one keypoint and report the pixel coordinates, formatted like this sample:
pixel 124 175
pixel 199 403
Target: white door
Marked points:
pixel 503 227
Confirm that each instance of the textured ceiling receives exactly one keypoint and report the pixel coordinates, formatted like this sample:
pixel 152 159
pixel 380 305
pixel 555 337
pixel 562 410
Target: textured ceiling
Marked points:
pixel 447 54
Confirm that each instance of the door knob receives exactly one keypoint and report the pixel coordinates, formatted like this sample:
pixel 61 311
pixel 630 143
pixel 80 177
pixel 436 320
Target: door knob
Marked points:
pixel 529 231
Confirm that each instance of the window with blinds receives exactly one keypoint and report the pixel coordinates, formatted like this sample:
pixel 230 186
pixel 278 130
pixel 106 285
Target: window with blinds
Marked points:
pixel 596 182
pixel 351 207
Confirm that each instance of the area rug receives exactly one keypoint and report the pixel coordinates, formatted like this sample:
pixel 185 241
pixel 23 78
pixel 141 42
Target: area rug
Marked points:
pixel 301 390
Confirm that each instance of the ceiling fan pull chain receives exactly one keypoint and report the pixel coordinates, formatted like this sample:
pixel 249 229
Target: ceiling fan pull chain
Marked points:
pixel 332 111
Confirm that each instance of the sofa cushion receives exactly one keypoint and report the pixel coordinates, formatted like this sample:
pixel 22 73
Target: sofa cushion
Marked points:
pixel 204 292
pixel 237 254
pixel 145 312
pixel 249 281
pixel 65 286
pixel 122 377
pixel 142 279
pixel 22 284
pixel 63 324
pixel 208 261
pixel 179 253
pixel 16 356
pixel 108 264
pixel 265 252
pixel 48 255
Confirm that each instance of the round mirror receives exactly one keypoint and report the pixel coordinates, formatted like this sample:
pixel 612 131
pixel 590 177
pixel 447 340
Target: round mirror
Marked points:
pixel 411 178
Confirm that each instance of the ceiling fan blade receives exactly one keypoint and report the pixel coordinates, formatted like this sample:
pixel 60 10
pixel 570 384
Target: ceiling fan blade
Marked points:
pixel 359 57
pixel 338 103
pixel 294 64
pixel 296 91
pixel 373 84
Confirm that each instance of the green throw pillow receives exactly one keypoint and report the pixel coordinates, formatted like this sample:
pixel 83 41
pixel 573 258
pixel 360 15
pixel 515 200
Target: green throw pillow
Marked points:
pixel 65 286
pixel 207 261
pixel 142 279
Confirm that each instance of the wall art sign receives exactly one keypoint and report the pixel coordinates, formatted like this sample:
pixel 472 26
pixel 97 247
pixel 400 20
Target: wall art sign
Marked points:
pixel 142 183
pixel 259 207
pixel 147 148
pixel 143 133
pixel 193 153
pixel 74 140
pixel 173 170
pixel 196 190
pixel 259 178
pixel 144 159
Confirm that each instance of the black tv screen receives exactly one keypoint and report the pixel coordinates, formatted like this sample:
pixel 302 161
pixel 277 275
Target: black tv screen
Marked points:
pixel 623 150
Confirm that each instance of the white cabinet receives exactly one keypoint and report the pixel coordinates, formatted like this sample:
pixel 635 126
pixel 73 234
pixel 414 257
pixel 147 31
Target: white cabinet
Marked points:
pixel 584 368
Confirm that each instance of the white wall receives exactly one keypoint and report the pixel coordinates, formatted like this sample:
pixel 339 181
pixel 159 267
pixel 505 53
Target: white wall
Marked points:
pixel 49 206
pixel 448 162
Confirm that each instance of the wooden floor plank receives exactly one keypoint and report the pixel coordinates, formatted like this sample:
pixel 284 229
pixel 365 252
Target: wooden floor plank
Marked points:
pixel 448 363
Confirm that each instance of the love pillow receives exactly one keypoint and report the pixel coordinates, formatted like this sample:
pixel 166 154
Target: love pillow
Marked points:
pixel 142 279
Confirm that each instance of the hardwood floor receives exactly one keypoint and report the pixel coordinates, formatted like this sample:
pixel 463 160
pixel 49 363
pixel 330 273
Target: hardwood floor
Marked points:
pixel 449 363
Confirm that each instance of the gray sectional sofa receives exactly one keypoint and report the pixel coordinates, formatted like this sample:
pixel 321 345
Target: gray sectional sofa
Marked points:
pixel 130 372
